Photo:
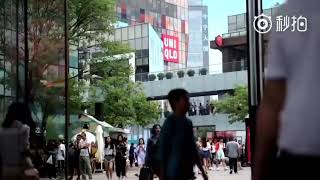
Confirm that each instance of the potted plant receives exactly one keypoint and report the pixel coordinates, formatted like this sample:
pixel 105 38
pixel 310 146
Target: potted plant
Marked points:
pixel 169 75
pixel 190 72
pixel 180 74
pixel 203 71
pixel 152 77
pixel 160 76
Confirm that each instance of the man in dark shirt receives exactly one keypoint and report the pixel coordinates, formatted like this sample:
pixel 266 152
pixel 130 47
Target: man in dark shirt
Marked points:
pixel 178 150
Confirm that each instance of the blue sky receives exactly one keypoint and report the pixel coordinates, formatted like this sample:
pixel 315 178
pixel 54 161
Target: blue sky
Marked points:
pixel 219 10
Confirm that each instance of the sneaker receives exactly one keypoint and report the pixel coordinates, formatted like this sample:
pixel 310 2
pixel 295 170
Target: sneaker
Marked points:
pixel 230 172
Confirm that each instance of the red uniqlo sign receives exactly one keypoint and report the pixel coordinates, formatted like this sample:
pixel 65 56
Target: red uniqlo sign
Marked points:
pixel 170 48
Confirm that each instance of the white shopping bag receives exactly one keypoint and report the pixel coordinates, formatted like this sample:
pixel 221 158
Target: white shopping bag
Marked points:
pixel 49 161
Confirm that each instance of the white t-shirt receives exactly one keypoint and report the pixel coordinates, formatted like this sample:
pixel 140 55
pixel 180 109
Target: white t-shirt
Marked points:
pixel 61 152
pixel 84 151
pixel 213 148
pixel 294 57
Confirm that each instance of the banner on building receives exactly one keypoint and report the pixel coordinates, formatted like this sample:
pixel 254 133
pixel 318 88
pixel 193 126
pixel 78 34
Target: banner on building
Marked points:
pixel 170 48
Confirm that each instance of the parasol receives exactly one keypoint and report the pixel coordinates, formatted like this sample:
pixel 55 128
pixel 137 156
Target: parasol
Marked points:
pixel 100 142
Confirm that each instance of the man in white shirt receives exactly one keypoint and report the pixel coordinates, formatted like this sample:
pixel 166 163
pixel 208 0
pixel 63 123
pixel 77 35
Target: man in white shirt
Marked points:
pixel 60 156
pixel 289 116
pixel 84 161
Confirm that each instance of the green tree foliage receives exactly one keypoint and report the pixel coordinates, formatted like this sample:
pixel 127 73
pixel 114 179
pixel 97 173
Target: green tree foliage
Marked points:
pixel 90 18
pixel 124 102
pixel 87 21
pixel 236 105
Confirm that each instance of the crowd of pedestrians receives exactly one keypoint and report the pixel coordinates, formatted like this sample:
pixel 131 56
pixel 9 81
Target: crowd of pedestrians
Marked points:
pixel 200 109
pixel 171 153
pixel 215 154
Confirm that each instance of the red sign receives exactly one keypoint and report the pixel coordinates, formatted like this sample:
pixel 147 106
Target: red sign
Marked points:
pixel 219 41
pixel 170 48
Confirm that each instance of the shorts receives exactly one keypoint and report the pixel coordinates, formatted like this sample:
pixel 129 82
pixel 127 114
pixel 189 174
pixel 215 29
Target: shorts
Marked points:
pixel 206 154
pixel 108 159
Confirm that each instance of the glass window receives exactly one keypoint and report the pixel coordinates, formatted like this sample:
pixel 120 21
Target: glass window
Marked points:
pixel 132 44
pixel 139 62
pixel 145 43
pixel 138 53
pixel 145 61
pixel 144 30
pixel 124 34
pixel 241 21
pixel 183 39
pixel 232 27
pixel 232 19
pixel 138 44
pixel 145 53
pixel 118 35
pixel 163 7
pixel 131 32
pixel 137 31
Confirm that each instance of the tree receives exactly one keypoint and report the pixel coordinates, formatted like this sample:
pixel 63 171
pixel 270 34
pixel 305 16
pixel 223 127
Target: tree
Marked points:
pixel 236 105
pixel 124 101
pixel 88 20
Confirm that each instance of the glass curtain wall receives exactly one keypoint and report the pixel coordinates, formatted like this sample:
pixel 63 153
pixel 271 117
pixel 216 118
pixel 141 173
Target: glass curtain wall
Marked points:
pixel 12 76
pixel 33 67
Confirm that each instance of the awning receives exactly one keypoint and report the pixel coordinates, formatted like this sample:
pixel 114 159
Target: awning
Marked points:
pixel 86 117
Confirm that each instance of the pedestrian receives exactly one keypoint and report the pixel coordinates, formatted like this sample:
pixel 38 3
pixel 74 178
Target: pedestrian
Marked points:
pixel 52 157
pixel 18 124
pixel 74 156
pixel 201 110
pixel 84 159
pixel 289 112
pixel 131 154
pixel 213 153
pixel 120 159
pixel 109 154
pixel 220 155
pixel 153 146
pixel 128 149
pixel 194 109
pixel 208 108
pixel 233 152
pixel 60 156
pixel 178 150
pixel 205 151
pixel 141 152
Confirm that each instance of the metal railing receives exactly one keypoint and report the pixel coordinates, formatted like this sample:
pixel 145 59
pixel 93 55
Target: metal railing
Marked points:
pixel 234 34
pixel 192 71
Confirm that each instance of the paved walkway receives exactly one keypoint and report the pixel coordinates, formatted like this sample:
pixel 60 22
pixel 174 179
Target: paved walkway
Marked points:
pixel 213 175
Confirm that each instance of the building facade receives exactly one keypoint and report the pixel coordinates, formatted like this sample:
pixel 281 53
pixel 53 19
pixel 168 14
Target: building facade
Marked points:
pixel 167 17
pixel 233 44
pixel 198 55
pixel 146 43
